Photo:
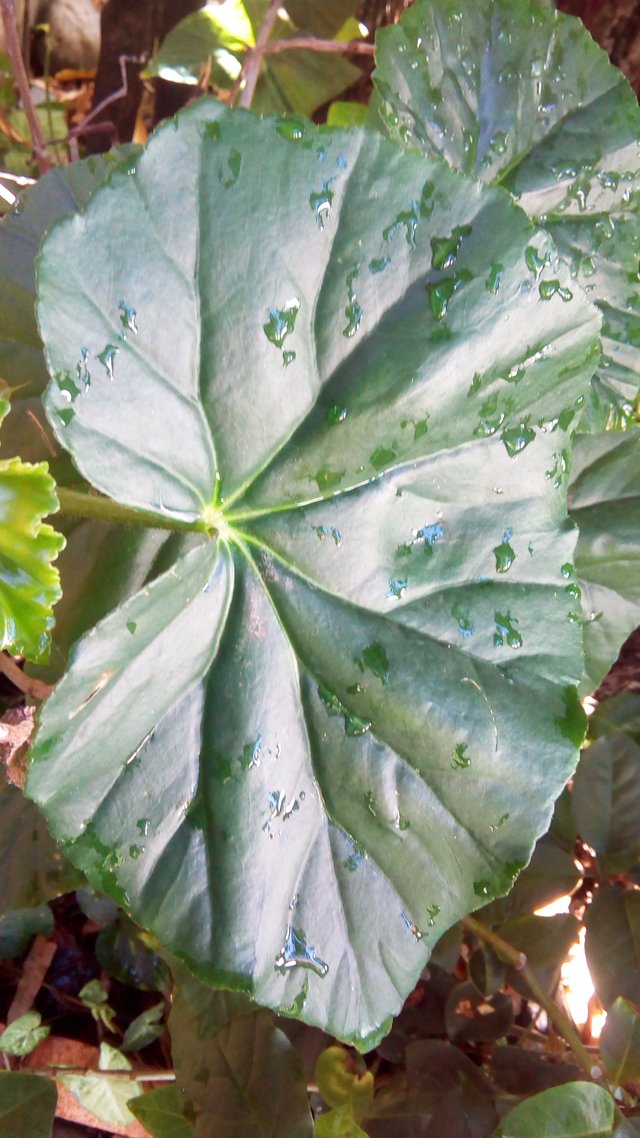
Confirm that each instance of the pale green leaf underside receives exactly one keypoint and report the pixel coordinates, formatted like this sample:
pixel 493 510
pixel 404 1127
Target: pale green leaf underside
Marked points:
pixel 520 95
pixel 342 725
pixel 604 500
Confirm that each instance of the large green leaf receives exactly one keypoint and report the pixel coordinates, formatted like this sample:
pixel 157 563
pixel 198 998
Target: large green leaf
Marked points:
pixel 239 1072
pixel 519 94
pixel 604 497
pixel 575 1110
pixel 312 744
pixel 27 1105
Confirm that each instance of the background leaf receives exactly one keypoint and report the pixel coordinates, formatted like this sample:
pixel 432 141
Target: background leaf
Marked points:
pixel 27 1105
pixel 239 1070
pixel 520 95
pixel 576 1110
pixel 620 1042
pixel 611 944
pixel 162 1113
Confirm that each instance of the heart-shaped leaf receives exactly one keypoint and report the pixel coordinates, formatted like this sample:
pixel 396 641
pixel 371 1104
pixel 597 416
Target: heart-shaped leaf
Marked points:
pixel 343 716
pixel 520 95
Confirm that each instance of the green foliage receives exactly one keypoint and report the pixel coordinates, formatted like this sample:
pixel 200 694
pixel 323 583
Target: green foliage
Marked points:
pixel 620 1042
pixel 322 694
pixel 238 1071
pixel 18 926
pixel 518 95
pixel 29 584
pixel 418 521
pixel 27 1105
pixel 161 1112
pixel 23 1035
pixel 578 1110
pixel 214 42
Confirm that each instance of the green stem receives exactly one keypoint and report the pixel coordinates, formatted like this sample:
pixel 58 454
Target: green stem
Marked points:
pixel 557 1017
pixel 82 505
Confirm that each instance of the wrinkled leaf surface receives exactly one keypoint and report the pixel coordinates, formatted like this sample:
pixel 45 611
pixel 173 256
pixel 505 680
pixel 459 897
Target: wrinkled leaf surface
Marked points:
pixel 343 716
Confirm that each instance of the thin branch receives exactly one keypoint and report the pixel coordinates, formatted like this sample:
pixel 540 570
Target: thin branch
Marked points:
pixel 254 59
pixel 557 1017
pixel 14 51
pixel 34 689
pixel 54 1071
pixel 312 43
pixel 83 127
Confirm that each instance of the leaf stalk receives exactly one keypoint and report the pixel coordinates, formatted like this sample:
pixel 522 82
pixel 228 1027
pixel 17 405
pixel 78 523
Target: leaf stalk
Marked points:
pixel 80 504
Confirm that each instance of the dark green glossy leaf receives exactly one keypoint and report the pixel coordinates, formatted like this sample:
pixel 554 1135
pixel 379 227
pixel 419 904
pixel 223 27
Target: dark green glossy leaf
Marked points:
pixel 524 1072
pixel 20 925
pixel 620 1042
pixel 129 954
pixel 619 714
pixel 605 504
pixel 575 1110
pixel 441 1092
pixel 519 94
pixel 27 1105
pixel 612 943
pixel 237 1069
pixel 162 1113
pixel 328 721
pixel 486 970
pixel 606 801
pixel 476 1018
pixel 545 941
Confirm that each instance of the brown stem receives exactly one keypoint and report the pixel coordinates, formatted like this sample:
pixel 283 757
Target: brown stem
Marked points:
pixel 312 43
pixel 254 59
pixel 12 42
pixel 557 1017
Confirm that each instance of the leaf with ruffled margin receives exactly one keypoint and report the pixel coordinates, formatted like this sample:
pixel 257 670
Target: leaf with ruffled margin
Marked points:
pixel 29 583
pixel 519 95
pixel 339 722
